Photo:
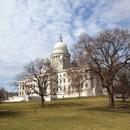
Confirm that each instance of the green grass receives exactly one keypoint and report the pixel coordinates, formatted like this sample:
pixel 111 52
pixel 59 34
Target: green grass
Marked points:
pixel 85 113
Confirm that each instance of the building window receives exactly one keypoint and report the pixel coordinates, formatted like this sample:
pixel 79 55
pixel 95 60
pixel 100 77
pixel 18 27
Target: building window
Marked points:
pixel 60 75
pixel 64 74
pixel 92 83
pixel 69 80
pixel 86 85
pixel 60 81
pixel 64 80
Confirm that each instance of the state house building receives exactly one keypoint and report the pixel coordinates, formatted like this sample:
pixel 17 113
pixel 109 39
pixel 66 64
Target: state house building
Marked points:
pixel 60 58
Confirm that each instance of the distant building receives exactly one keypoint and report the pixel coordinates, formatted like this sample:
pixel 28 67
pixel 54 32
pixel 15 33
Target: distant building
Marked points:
pixel 60 58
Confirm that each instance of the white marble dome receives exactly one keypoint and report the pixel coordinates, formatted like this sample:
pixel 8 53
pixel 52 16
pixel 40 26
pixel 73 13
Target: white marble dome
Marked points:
pixel 60 47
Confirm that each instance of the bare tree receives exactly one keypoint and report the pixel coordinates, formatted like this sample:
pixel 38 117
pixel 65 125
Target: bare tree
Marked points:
pixel 122 83
pixel 37 77
pixel 106 54
pixel 78 76
pixel 20 81
pixel 3 94
pixel 75 79
pixel 14 83
pixel 78 58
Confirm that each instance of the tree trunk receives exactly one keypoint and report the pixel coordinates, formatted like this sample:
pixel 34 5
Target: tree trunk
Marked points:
pixel 79 90
pixel 79 93
pixel 111 101
pixel 42 100
pixel 111 97
pixel 123 98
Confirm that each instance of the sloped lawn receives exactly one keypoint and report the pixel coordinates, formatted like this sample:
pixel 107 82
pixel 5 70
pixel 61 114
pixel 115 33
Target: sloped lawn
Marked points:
pixel 85 113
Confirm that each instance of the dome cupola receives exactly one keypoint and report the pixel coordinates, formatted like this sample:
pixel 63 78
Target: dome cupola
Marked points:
pixel 60 56
pixel 60 47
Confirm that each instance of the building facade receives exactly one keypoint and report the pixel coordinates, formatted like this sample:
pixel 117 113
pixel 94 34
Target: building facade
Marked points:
pixel 60 58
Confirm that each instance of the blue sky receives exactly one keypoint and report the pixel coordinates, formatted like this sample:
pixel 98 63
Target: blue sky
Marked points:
pixel 30 28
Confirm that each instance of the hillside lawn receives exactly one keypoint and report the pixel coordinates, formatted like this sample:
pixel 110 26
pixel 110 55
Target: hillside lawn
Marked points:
pixel 85 113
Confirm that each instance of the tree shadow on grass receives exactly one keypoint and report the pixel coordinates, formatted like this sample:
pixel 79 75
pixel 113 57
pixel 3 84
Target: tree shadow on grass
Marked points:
pixel 5 114
pixel 121 109
pixel 64 104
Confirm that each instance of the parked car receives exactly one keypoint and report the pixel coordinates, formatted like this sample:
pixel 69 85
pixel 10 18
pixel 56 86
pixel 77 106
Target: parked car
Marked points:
pixel 118 95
